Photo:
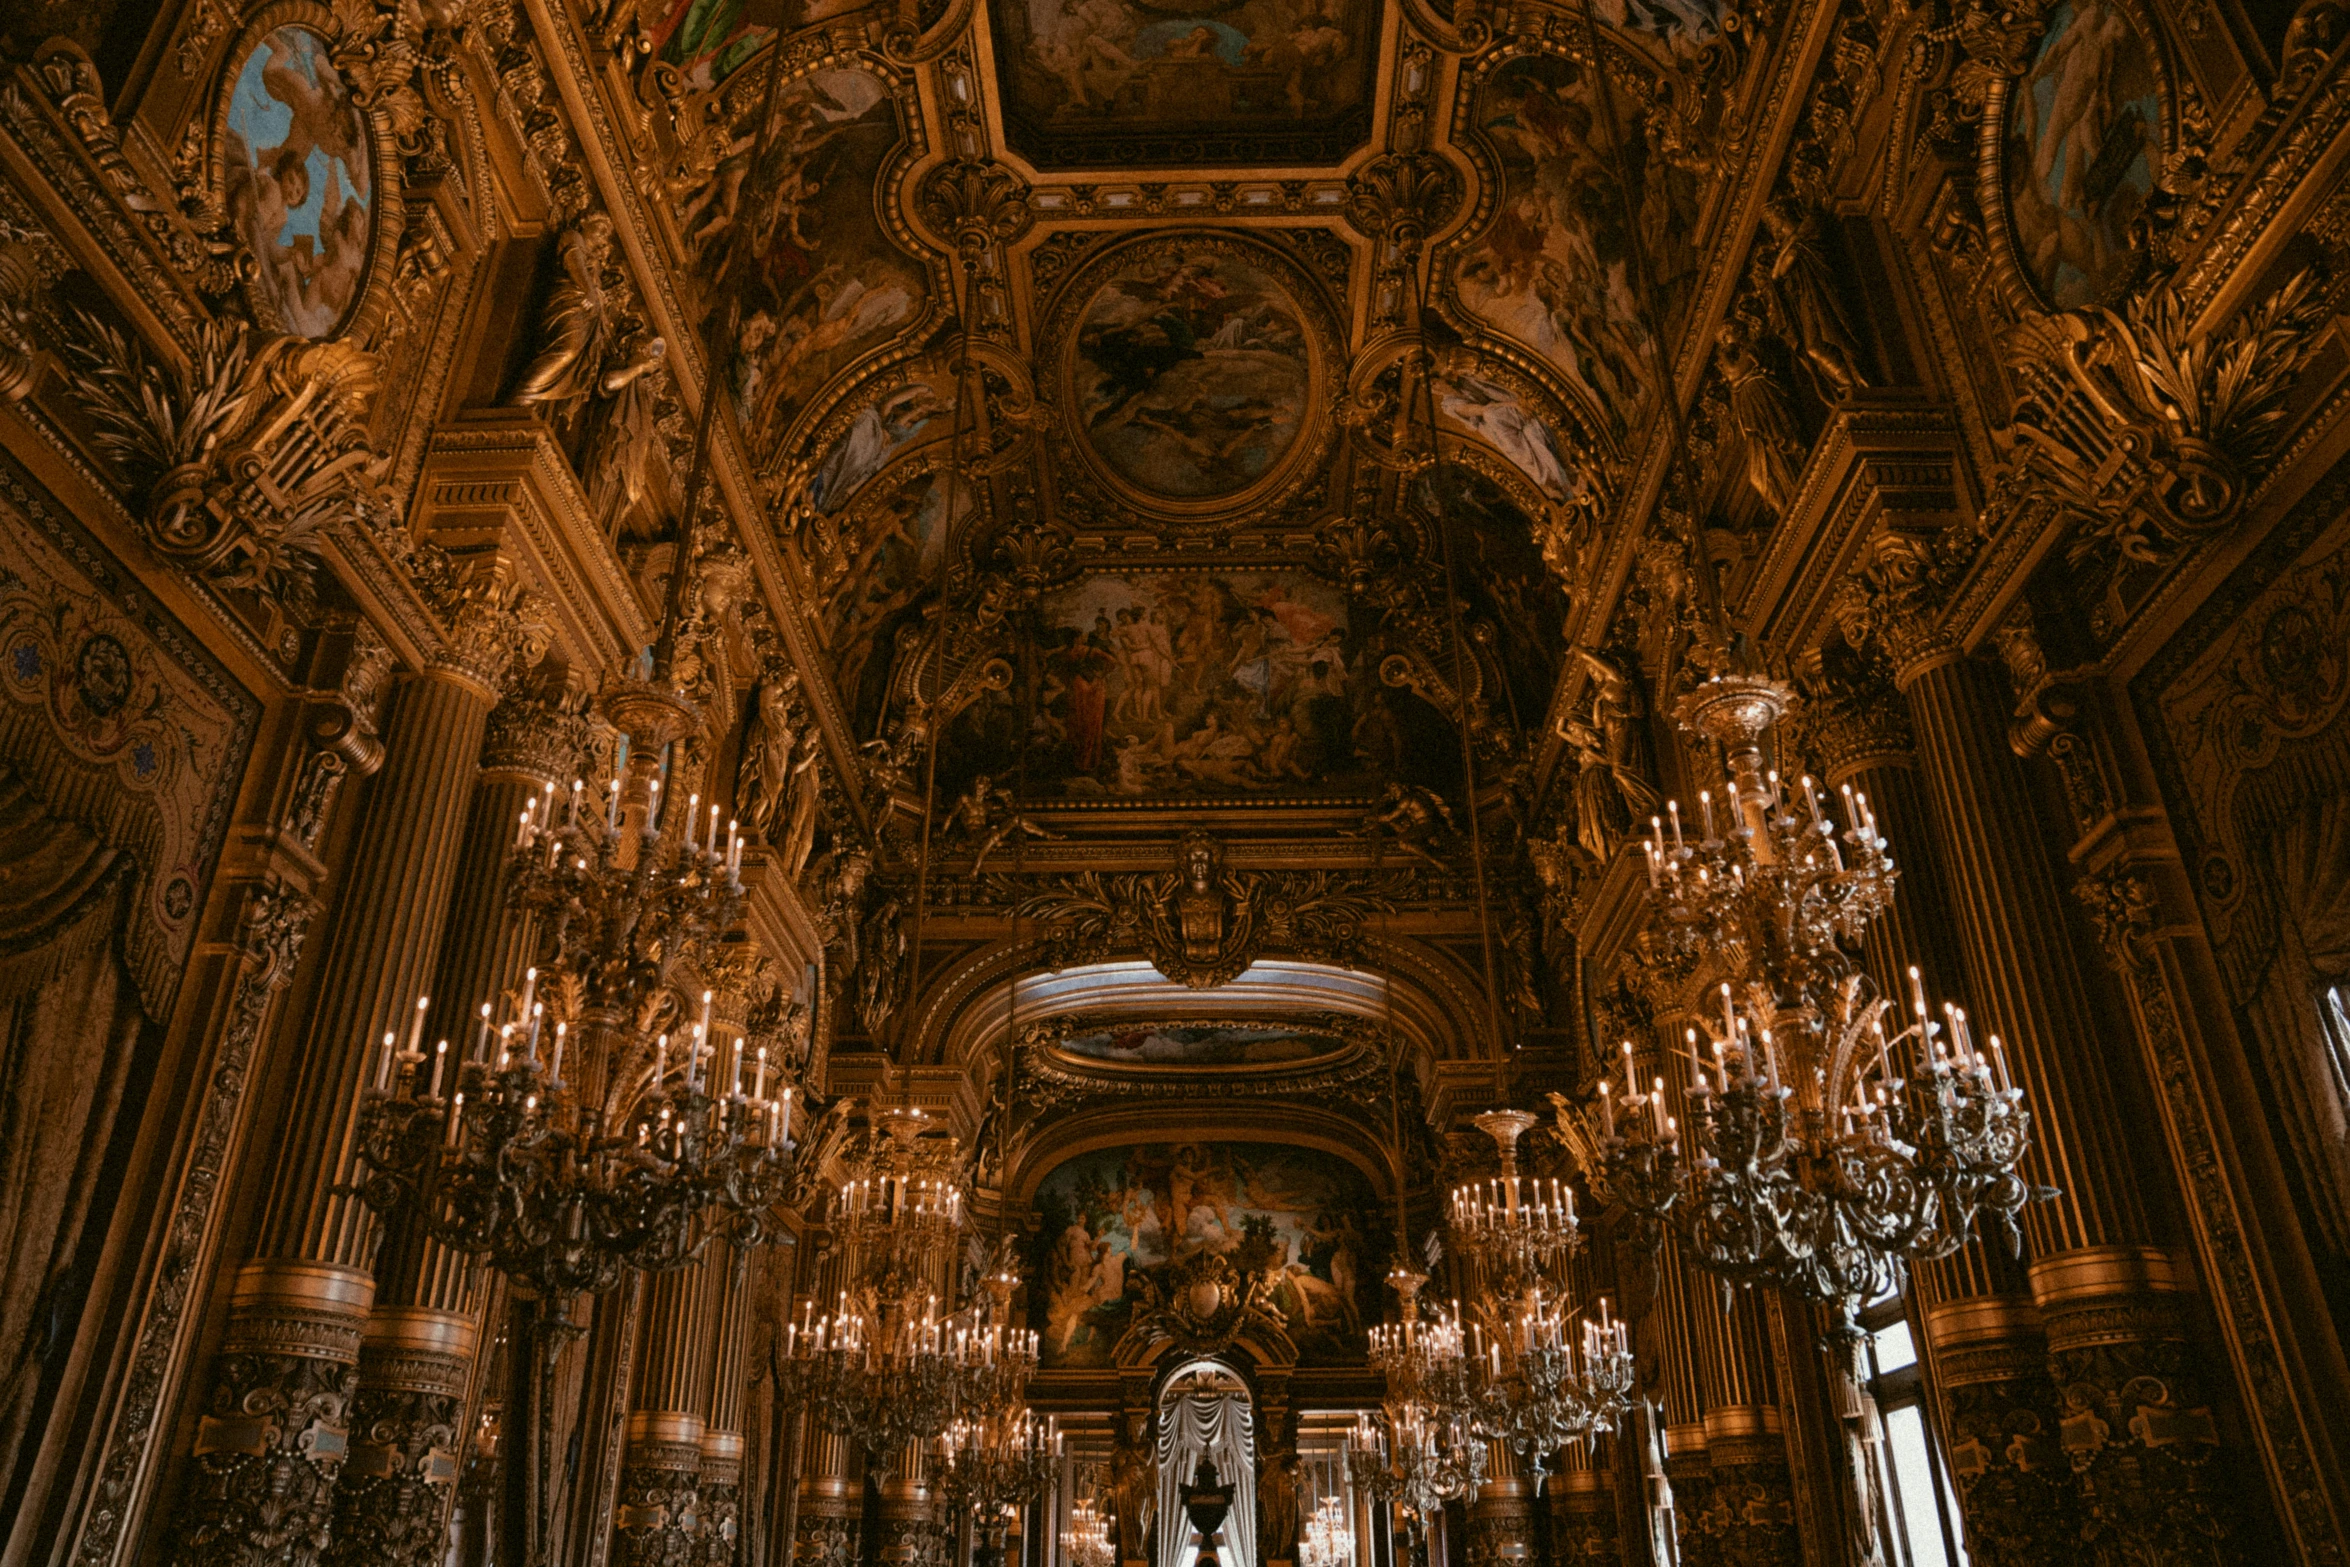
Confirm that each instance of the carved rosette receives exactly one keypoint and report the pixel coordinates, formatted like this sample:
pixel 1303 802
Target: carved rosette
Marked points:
pixel 393 1501
pixel 658 1523
pixel 275 1430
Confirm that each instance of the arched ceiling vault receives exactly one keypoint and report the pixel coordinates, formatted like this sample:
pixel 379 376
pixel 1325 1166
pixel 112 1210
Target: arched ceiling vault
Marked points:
pixel 1088 357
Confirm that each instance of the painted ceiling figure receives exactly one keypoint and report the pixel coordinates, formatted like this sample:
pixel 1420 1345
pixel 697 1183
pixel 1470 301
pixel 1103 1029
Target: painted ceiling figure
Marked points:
pixel 988 814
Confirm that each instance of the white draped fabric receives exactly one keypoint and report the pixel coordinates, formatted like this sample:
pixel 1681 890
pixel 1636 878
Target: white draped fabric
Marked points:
pixel 1219 1428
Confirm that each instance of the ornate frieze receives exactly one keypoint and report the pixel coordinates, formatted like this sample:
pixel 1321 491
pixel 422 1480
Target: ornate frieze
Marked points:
pixel 1200 924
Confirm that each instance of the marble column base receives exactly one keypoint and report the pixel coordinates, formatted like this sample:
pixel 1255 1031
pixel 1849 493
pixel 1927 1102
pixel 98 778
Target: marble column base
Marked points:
pixel 658 1522
pixel 276 1426
pixel 392 1503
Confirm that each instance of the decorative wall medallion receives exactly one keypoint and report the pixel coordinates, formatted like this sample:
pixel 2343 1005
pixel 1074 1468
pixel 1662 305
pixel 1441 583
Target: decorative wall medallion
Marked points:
pixel 1120 83
pixel 303 175
pixel 2084 135
pixel 1192 371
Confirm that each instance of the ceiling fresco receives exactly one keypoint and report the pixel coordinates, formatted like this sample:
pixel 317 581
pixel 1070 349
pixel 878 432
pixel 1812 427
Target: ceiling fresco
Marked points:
pixel 1191 1045
pixel 1144 83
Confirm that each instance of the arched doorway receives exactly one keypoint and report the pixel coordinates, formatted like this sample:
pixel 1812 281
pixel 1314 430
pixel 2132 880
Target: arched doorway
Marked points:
pixel 1205 1411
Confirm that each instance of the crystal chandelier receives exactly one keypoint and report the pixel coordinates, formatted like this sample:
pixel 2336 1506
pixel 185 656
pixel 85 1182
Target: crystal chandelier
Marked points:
pixel 887 1365
pixel 1086 1542
pixel 1327 1542
pixel 1833 1138
pixel 1421 1450
pixel 1535 1380
pixel 992 1463
pixel 567 1150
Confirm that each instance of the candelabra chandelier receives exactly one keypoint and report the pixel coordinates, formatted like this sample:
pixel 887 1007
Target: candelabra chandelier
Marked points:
pixel 887 1365
pixel 1421 1449
pixel 566 1150
pixel 1086 1542
pixel 1533 1377
pixel 992 1463
pixel 1327 1541
pixel 1833 1139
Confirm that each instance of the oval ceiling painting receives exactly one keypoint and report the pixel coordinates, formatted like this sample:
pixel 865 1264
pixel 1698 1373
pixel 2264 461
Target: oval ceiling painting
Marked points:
pixel 2084 137
pixel 1199 1044
pixel 1190 371
pixel 300 159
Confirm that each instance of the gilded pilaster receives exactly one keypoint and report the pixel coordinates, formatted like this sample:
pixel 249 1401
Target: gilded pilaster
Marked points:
pixel 907 1536
pixel 722 1439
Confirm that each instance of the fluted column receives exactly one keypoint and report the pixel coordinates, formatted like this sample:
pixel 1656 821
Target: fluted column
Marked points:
pixel 277 1424
pixel 659 1518
pixel 907 1539
pixel 1987 1359
pixel 2110 1299
pixel 416 1358
pixel 722 1439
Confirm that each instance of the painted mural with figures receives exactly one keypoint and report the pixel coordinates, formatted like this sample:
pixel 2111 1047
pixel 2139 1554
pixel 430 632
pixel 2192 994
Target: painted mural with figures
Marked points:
pixel 1190 372
pixel 1198 1044
pixel 813 281
pixel 2084 137
pixel 1556 267
pixel 1155 683
pixel 300 181
pixel 1116 1212
pixel 1216 82
pixel 886 570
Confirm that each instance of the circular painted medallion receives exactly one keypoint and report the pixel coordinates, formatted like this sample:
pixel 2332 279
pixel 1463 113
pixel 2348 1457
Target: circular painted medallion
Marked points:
pixel 2084 138
pixel 300 177
pixel 1190 368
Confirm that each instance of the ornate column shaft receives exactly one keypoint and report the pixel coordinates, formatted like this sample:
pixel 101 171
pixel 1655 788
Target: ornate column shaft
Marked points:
pixel 907 1539
pixel 393 1500
pixel 659 1518
pixel 2109 1299
pixel 1748 1514
pixel 1987 1359
pixel 722 1441
pixel 276 1431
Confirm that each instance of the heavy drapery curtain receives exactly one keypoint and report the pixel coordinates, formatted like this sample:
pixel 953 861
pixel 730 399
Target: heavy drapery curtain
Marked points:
pixel 70 1021
pixel 1219 1428
pixel 2309 858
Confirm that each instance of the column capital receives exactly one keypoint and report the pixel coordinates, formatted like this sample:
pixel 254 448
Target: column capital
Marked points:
pixel 1852 715
pixel 1893 602
pixel 541 739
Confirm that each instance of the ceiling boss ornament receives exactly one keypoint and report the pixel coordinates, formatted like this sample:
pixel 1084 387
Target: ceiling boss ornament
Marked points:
pixel 1833 1136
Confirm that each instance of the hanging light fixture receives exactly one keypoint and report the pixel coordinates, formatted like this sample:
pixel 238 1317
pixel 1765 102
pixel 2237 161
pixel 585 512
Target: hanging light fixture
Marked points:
pixel 1836 1136
pixel 889 1364
pixel 1327 1541
pixel 1086 1542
